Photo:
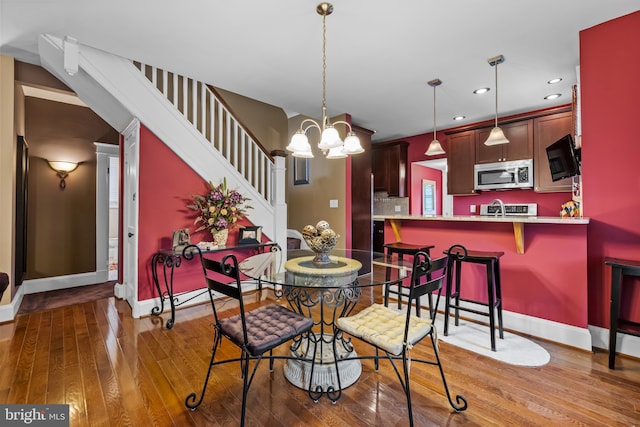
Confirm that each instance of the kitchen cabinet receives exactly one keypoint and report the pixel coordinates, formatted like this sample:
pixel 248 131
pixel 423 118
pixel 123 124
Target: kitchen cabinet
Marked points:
pixel 549 129
pixel 461 156
pixel 389 168
pixel 520 146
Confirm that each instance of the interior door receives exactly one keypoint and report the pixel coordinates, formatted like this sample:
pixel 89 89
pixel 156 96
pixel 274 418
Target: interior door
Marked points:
pixel 130 202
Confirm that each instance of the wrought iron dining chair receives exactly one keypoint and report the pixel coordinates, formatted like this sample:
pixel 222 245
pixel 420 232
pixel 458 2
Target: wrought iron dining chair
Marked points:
pixel 396 332
pixel 255 332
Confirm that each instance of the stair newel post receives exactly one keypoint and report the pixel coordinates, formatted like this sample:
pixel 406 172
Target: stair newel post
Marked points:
pixel 278 183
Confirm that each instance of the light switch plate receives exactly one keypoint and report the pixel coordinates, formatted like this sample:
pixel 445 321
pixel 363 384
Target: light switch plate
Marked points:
pixel 397 208
pixel 333 203
pixel 472 208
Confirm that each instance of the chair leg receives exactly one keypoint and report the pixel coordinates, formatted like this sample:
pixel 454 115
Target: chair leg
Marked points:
pixel 406 386
pixel 498 283
pixel 245 385
pixel 190 402
pixel 460 400
pixel 447 296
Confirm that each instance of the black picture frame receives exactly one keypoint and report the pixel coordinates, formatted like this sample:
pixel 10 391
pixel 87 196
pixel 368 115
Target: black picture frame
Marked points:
pixel 300 171
pixel 250 235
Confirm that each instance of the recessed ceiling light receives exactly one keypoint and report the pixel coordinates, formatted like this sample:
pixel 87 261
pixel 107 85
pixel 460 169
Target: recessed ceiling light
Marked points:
pixel 553 96
pixel 554 81
pixel 481 90
pixel 459 118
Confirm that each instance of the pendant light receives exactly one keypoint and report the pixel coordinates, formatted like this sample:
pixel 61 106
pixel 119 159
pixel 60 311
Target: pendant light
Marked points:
pixel 496 136
pixel 330 142
pixel 434 148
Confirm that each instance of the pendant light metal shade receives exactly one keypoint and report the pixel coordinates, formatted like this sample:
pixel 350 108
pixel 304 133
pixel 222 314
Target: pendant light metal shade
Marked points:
pixel 434 147
pixel 496 137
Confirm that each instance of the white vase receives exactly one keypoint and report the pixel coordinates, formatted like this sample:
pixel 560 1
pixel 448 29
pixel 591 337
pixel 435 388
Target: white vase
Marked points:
pixel 221 237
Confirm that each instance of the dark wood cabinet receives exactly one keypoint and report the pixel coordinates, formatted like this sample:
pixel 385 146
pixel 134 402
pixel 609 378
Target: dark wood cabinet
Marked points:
pixel 549 129
pixel 520 146
pixel 390 168
pixel 461 156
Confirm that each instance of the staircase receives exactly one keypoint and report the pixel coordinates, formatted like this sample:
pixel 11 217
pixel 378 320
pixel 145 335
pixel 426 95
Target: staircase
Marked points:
pixel 186 115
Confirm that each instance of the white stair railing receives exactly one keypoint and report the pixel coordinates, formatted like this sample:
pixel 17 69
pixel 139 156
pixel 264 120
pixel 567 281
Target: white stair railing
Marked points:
pixel 200 106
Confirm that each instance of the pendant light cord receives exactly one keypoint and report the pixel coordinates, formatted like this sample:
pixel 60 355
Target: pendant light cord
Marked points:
pixel 434 112
pixel 496 93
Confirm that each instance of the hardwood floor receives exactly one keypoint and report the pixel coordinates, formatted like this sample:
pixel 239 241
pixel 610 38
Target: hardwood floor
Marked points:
pixel 115 370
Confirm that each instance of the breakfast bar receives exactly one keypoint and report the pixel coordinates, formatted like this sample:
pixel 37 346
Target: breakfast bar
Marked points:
pixel 544 267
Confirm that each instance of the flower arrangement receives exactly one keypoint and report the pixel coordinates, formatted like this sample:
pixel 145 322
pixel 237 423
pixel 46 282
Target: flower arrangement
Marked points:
pixel 219 208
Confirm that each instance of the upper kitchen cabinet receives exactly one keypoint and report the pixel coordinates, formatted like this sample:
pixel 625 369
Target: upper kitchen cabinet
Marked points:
pixel 549 129
pixel 389 168
pixel 461 156
pixel 520 146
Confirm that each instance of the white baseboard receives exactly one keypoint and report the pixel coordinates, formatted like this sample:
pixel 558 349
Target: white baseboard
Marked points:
pixel 8 311
pixel 33 286
pixel 625 344
pixel 541 328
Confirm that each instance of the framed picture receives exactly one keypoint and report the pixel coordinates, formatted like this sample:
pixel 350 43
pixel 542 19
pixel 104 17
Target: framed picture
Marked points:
pixel 250 234
pixel 300 171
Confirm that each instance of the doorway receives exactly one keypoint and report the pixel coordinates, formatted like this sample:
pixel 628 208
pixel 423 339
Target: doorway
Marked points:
pixel 447 199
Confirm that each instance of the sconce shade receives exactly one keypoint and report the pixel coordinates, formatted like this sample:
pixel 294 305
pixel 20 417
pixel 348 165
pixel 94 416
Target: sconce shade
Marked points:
pixel 63 166
pixel 62 170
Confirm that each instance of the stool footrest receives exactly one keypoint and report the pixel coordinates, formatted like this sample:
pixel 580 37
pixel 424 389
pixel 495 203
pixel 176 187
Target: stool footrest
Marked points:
pixel 470 310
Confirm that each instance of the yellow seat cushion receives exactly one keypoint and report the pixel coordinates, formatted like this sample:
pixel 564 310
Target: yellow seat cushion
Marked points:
pixel 384 327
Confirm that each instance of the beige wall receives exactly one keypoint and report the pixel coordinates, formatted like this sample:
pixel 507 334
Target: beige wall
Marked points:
pixel 61 233
pixel 309 203
pixel 7 167
pixel 266 122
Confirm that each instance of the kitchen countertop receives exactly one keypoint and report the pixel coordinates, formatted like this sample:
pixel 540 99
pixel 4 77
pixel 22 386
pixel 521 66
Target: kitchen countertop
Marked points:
pixel 482 218
pixel 517 221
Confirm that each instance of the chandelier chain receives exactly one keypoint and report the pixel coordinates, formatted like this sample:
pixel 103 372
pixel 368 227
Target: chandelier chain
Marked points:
pixel 324 70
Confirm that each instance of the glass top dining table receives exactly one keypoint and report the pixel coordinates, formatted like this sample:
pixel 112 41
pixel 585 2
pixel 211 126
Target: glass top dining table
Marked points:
pixel 324 291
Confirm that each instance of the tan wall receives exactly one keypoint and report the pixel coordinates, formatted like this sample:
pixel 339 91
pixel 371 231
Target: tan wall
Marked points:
pixel 309 203
pixel 266 122
pixel 7 167
pixel 61 233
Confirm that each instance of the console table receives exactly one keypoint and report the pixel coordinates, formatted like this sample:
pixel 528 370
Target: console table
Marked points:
pixel 170 259
pixel 619 269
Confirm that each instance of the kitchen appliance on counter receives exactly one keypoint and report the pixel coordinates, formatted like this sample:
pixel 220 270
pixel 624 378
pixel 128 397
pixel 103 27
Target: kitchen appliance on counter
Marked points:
pixel 503 175
pixel 510 209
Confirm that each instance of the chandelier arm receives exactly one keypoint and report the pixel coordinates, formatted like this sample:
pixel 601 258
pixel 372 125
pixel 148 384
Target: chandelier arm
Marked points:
pixel 344 123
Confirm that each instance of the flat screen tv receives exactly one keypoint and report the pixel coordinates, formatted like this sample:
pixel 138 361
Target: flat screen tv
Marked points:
pixel 564 158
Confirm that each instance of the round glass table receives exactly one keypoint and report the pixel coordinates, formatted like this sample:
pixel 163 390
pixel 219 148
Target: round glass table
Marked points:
pixel 324 292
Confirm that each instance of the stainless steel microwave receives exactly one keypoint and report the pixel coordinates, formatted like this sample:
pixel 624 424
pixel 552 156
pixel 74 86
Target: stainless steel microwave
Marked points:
pixel 502 175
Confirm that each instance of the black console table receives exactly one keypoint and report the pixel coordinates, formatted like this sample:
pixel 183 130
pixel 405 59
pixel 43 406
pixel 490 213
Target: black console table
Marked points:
pixel 170 259
pixel 619 269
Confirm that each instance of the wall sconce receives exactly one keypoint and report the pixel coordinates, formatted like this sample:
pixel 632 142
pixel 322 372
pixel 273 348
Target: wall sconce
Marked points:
pixel 62 170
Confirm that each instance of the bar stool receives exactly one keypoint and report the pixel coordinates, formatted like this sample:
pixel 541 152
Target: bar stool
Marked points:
pixel 402 249
pixel 458 254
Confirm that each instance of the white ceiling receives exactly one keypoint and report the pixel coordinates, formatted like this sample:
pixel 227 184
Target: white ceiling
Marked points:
pixel 380 55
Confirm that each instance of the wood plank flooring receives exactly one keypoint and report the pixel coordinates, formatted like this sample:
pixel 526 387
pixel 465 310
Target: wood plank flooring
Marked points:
pixel 114 370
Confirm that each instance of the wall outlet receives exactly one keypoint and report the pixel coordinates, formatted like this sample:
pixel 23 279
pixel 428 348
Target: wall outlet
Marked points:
pixel 472 208
pixel 397 208
pixel 333 203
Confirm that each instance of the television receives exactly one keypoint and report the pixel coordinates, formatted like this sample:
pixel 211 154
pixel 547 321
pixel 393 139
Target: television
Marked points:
pixel 564 158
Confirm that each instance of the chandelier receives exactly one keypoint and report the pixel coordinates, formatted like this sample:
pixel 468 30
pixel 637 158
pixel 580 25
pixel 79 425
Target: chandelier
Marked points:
pixel 330 142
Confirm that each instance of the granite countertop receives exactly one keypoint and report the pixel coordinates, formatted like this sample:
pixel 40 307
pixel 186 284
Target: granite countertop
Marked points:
pixel 479 218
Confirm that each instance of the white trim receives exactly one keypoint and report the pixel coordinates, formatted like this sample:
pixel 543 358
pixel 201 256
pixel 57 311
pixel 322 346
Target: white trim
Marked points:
pixel 625 344
pixel 8 311
pixel 573 336
pixel 33 286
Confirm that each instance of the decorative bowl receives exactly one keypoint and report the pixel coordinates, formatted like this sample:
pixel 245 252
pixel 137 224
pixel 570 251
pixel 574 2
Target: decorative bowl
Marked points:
pixel 321 239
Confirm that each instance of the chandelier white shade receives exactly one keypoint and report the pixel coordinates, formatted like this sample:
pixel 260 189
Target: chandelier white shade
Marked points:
pixel 496 137
pixel 435 148
pixel 330 142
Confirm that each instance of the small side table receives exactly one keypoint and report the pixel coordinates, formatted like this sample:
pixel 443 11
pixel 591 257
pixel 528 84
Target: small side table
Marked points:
pixel 619 268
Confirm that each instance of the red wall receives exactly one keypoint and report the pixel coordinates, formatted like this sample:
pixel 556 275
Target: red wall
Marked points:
pixel 418 173
pixel 610 90
pixel 166 184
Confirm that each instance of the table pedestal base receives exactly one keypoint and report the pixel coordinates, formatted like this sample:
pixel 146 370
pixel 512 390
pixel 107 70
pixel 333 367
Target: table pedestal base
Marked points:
pixel 298 371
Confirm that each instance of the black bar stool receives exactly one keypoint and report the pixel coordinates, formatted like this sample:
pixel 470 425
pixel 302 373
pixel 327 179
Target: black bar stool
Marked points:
pixel 402 249
pixel 458 254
